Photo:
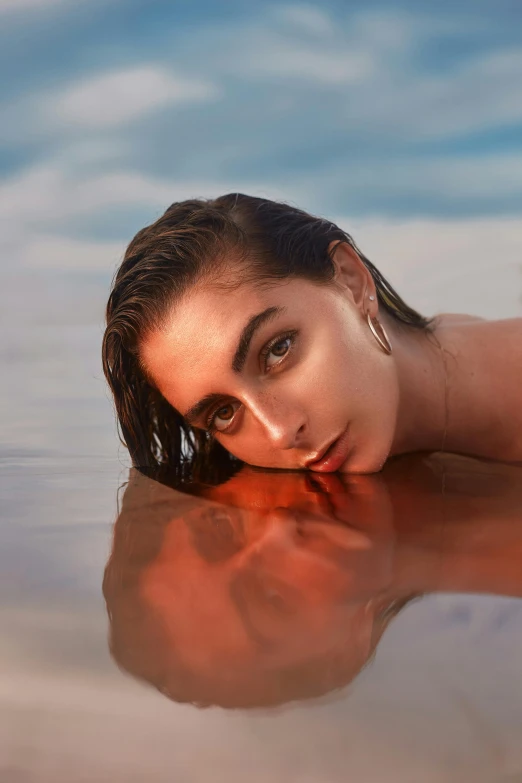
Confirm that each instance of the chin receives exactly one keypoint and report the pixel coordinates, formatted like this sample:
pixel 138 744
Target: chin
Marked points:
pixel 369 460
pixel 360 467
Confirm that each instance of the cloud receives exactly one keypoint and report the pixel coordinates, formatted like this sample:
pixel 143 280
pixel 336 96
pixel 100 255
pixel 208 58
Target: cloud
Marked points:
pixel 372 61
pixel 295 71
pixel 38 209
pixel 301 42
pixel 11 7
pixel 64 254
pixel 122 96
pixel 45 196
pixel 479 94
pixel 304 17
pixel 107 102
pixel 296 42
pixel 352 89
pixel 20 5
pixel 299 61
pixel 447 184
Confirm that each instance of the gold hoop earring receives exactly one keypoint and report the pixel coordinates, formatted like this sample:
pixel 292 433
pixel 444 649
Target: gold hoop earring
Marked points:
pixel 384 343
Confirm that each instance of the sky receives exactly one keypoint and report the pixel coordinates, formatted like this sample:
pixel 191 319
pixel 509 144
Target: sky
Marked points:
pixel 113 109
pixel 400 120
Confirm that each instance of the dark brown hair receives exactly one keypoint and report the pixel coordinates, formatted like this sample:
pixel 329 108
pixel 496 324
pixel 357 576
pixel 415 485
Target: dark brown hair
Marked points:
pixel 196 239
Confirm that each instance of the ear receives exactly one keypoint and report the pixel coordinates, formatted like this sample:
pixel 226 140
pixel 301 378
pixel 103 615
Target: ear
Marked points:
pixel 352 276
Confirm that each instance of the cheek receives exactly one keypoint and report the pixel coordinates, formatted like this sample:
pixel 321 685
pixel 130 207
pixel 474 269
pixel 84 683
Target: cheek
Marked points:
pixel 369 375
pixel 367 393
pixel 326 371
pixel 350 371
pixel 249 444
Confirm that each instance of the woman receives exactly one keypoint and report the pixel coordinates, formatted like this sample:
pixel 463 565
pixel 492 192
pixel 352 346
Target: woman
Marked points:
pixel 253 331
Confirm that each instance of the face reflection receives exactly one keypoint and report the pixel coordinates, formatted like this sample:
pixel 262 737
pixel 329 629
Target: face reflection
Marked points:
pixel 254 589
pixel 310 369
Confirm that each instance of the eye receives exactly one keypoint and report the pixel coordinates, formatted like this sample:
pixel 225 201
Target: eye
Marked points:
pixel 220 419
pixel 277 350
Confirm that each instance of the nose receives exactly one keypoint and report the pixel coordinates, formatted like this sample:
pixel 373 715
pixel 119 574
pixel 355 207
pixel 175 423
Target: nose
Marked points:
pixel 284 425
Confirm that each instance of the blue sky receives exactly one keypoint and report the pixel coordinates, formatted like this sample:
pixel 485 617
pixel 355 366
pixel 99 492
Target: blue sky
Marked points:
pixel 382 115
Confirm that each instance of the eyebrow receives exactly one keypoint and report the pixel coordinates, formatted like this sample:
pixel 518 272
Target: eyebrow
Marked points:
pixel 249 330
pixel 239 359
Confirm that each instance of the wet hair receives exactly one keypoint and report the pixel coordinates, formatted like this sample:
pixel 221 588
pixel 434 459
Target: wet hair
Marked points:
pixel 254 238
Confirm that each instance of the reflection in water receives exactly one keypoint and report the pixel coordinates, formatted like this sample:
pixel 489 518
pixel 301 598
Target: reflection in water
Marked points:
pixel 277 586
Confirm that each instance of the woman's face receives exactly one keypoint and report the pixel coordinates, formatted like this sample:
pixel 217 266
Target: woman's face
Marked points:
pixel 279 371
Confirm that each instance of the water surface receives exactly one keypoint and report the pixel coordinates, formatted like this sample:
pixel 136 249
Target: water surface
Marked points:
pixel 440 701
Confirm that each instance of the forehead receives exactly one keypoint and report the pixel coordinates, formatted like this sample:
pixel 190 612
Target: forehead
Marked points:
pixel 202 329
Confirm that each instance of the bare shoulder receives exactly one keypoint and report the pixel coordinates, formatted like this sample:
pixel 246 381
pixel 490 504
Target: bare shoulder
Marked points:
pixel 511 326
pixel 483 327
pixel 488 351
pixel 450 319
pixel 505 329
pixel 487 377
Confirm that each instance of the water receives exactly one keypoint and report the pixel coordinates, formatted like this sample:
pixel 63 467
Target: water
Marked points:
pixel 440 701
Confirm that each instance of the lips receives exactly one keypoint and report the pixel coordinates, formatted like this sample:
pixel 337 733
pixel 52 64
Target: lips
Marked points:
pixel 333 457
